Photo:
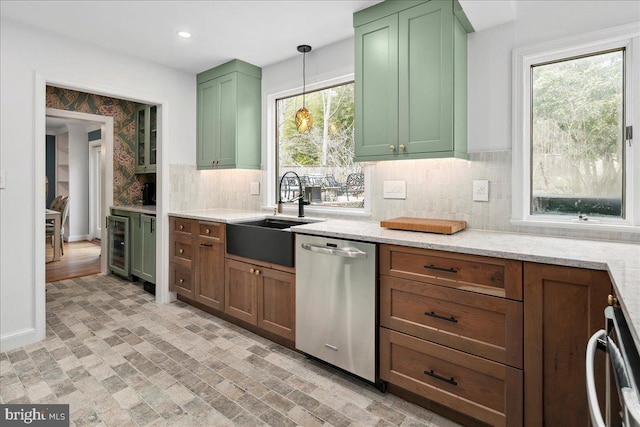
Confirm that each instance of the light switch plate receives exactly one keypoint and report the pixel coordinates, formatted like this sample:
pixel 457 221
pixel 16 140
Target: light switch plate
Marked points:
pixel 480 190
pixel 394 189
pixel 254 189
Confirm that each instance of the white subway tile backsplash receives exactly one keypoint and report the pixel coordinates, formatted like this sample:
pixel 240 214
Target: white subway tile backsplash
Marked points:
pixel 436 188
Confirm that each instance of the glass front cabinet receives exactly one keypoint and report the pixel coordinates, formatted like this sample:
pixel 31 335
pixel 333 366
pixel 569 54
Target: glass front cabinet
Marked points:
pixel 146 138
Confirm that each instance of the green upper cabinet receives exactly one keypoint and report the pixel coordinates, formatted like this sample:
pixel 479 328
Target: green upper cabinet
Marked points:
pixel 228 117
pixel 411 80
pixel 146 138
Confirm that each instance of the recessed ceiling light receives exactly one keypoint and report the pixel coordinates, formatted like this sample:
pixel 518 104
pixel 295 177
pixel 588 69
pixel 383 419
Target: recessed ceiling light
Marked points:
pixel 184 34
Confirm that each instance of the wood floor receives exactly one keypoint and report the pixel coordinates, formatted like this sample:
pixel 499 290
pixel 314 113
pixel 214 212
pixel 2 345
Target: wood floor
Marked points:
pixel 79 259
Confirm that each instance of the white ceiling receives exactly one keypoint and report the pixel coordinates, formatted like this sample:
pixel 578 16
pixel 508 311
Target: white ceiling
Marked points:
pixel 261 32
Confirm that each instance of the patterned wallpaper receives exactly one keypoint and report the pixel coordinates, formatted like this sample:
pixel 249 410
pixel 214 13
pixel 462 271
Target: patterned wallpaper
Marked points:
pixel 127 186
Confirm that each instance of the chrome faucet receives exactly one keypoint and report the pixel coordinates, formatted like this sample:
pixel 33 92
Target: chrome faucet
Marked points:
pixel 300 198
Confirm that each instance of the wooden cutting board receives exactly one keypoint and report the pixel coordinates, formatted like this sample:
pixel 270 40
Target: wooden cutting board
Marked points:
pixel 427 225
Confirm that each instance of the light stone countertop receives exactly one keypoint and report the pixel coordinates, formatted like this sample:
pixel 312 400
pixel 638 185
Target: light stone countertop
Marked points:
pixel 145 209
pixel 621 260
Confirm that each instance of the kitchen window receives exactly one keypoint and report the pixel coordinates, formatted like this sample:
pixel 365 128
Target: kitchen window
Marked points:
pixel 574 160
pixel 322 157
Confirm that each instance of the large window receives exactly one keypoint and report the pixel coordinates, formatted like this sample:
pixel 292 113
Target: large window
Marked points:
pixel 574 162
pixel 577 138
pixel 323 156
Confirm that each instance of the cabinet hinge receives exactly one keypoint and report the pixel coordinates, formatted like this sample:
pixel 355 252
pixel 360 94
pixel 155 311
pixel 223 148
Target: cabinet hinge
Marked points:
pixel 629 134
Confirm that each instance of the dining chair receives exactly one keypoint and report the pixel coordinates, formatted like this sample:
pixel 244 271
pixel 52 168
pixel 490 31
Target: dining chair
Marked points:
pixel 63 208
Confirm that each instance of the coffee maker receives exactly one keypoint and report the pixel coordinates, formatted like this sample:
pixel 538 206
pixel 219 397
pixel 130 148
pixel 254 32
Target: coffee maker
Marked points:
pixel 149 193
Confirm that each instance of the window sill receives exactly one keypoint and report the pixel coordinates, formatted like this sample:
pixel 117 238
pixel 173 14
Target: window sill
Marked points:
pixel 569 224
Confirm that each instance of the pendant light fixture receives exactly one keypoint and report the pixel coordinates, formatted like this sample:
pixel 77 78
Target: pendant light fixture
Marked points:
pixel 303 117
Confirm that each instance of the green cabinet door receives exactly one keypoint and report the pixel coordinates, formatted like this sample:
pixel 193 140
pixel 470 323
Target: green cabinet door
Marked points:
pixel 142 246
pixel 376 87
pixel 147 248
pixel 135 225
pixel 426 78
pixel 228 117
pixel 411 79
pixel 146 138
pixel 217 122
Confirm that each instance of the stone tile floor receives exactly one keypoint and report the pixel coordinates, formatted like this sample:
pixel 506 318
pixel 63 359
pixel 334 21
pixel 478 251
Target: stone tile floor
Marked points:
pixel 119 359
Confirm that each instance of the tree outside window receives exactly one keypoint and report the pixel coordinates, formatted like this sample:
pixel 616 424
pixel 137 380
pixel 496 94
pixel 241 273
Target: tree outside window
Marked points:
pixel 577 139
pixel 323 156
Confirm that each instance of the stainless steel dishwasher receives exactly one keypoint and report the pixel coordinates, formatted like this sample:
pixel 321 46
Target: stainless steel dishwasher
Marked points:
pixel 336 303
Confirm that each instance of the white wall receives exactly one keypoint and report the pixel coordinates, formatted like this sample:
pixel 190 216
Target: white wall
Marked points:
pixel 28 55
pixel 489 57
pixel 77 227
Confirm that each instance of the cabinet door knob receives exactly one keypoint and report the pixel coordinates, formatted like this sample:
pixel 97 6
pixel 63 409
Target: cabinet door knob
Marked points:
pixel 181 251
pixel 392 148
pixel 181 227
pixel 402 147
pixel 257 272
pixel 181 281
pixel 213 162
pixel 252 270
pixel 611 300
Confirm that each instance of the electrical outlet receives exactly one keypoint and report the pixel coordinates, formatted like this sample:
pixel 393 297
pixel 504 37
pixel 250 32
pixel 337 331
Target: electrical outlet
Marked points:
pixel 394 189
pixel 480 190
pixel 254 189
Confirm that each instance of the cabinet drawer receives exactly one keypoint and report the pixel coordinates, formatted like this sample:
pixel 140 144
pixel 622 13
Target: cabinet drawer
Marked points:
pixel 491 276
pixel 212 230
pixel 181 226
pixel 181 280
pixel 485 390
pixel 181 250
pixel 480 324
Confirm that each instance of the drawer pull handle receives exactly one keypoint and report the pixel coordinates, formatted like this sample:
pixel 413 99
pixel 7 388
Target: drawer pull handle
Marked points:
pixel 181 227
pixel 448 270
pixel 441 378
pixel 206 245
pixel 207 231
pixel 181 251
pixel 181 281
pixel 437 316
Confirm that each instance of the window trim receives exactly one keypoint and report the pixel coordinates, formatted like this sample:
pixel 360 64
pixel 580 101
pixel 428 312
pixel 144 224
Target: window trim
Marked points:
pixel 627 37
pixel 271 172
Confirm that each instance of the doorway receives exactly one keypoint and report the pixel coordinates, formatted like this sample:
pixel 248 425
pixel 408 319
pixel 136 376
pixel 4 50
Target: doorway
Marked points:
pixel 83 147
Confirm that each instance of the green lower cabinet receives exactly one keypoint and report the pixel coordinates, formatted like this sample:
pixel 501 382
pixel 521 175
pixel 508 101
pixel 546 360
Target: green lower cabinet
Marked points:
pixel 411 81
pixel 148 248
pixel 143 246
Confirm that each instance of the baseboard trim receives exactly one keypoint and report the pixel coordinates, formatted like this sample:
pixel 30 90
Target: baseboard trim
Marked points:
pixel 79 238
pixel 18 339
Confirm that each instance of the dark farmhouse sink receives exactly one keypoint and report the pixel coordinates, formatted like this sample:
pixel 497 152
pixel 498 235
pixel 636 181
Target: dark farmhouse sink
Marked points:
pixel 268 240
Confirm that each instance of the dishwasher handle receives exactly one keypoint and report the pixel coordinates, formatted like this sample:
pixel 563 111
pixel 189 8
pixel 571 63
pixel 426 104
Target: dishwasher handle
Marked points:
pixel 345 252
pixel 595 342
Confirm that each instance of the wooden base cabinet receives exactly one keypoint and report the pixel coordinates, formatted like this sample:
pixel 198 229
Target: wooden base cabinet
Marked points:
pixel 210 265
pixel 261 296
pixel 196 268
pixel 451 330
pixel 488 391
pixel 563 307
